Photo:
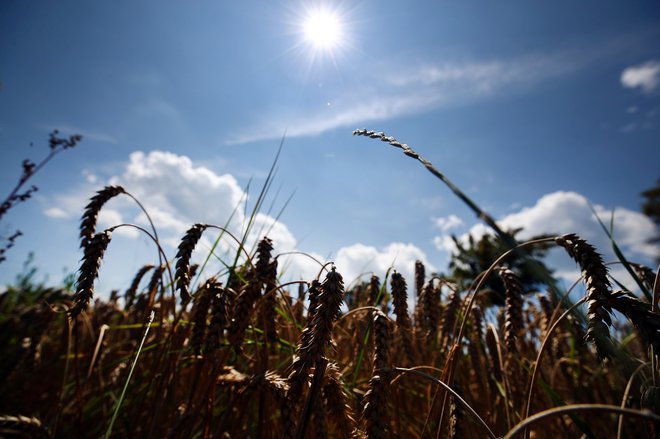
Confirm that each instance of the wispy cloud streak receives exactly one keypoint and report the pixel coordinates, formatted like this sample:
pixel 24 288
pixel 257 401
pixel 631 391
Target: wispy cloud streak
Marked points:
pixel 397 91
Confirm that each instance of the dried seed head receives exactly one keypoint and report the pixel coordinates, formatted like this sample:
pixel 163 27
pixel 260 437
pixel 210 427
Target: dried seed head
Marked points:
pixel 404 326
pixel 264 250
pixel 455 415
pixel 318 333
pixel 513 319
pixel 266 271
pixel 375 412
pixel 129 296
pixel 218 316
pixel 88 220
pixel 598 291
pixel 646 321
pixel 336 398
pixel 645 274
pixel 314 292
pixel 381 341
pixel 183 256
pixel 23 426
pixel 420 274
pixel 89 271
pixel 449 314
pixel 199 314
pixel 242 312
pixel 374 291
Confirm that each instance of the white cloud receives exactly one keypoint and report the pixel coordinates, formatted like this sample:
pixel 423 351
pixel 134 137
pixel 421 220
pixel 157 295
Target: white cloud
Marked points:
pixel 359 260
pixel 645 76
pixel 110 218
pixel 559 213
pixel 56 212
pixel 90 177
pixel 179 192
pixel 411 90
pixel 447 223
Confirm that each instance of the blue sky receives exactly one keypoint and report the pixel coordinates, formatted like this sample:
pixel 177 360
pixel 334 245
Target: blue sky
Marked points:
pixel 532 109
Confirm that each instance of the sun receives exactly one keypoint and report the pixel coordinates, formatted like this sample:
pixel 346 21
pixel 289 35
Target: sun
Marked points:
pixel 322 29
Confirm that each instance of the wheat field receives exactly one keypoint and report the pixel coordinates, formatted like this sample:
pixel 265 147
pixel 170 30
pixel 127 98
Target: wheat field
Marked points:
pixel 184 353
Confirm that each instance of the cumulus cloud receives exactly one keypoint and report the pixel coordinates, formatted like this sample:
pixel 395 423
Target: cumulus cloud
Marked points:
pixel 56 212
pixel 178 193
pixel 110 218
pixel 645 76
pixel 569 212
pixel 448 222
pixel 358 260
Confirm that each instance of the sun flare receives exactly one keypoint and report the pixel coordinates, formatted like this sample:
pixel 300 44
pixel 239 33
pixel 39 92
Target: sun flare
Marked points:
pixel 322 29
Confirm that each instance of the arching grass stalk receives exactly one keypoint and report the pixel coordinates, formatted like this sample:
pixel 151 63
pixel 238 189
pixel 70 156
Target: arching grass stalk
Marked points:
pixel 217 240
pixel 450 361
pixel 453 392
pixel 161 252
pixel 538 356
pixel 128 379
pixel 367 333
pixel 471 297
pixel 527 422
pixel 67 361
pixel 257 206
pixel 506 237
pixel 626 392
pixel 619 254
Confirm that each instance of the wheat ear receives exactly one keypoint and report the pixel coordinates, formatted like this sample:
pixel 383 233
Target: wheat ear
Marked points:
pixel 317 333
pixel 89 271
pixel 88 220
pixel 513 320
pixel 184 253
pixel 250 294
pixel 22 426
pixel 375 412
pixel 131 292
pixel 218 316
pixel 336 398
pixel 598 285
pixel 200 312
pixel 403 324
